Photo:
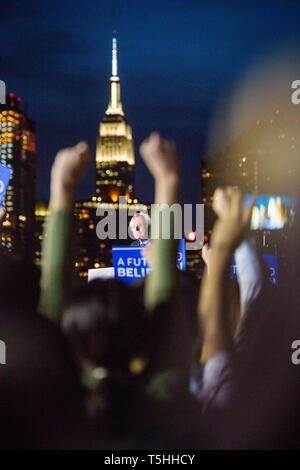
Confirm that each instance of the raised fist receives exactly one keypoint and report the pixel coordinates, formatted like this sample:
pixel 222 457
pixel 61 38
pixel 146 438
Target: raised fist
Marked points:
pixel 69 166
pixel 160 156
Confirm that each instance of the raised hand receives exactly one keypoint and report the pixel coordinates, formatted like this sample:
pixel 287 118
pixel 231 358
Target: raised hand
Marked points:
pixel 233 224
pixel 221 200
pixel 68 169
pixel 160 156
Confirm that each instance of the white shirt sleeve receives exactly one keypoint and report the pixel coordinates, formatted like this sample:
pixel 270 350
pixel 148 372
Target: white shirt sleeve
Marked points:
pixel 217 381
pixel 249 271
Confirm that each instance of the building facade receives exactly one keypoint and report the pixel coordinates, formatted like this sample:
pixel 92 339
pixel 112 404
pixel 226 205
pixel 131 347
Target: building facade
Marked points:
pixel 18 151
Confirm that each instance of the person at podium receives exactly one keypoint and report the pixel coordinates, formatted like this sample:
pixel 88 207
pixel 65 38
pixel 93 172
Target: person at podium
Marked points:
pixel 140 227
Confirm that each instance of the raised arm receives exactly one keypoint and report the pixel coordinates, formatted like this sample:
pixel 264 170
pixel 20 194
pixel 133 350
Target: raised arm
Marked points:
pixel 67 170
pixel 161 158
pixel 230 230
pixel 250 272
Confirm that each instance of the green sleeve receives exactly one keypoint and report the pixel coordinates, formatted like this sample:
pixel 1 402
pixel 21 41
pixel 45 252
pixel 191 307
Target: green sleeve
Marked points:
pixel 160 283
pixel 55 264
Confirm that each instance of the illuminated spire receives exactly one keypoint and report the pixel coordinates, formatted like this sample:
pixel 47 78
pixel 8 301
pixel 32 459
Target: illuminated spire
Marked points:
pixel 115 105
pixel 114 56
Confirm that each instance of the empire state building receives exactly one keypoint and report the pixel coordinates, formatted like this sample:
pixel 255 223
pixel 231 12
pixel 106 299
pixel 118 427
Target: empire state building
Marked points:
pixel 115 148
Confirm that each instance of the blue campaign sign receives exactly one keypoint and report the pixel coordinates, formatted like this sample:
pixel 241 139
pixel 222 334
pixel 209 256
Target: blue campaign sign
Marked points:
pixel 271 261
pixel 131 266
pixel 181 258
pixel 5 175
pixel 129 263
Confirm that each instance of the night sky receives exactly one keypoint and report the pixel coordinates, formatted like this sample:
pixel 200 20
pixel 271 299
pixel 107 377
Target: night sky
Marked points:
pixel 179 61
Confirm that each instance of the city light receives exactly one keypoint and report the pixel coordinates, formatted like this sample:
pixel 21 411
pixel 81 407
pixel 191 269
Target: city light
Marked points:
pixel 191 236
pixel 17 151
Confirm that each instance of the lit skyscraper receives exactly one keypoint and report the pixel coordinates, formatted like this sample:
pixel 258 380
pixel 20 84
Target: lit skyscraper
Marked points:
pixel 115 148
pixel 17 150
pixel 114 176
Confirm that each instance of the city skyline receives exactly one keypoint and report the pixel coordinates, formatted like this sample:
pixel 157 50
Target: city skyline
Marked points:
pixel 173 81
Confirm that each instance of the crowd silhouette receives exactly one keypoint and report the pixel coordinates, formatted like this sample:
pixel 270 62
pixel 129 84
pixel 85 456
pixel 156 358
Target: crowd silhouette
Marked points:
pixel 174 363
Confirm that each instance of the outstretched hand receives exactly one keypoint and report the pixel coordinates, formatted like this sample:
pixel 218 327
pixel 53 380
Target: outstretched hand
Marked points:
pixel 68 169
pixel 233 224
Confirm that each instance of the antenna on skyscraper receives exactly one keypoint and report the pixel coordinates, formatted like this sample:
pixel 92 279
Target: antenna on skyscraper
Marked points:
pixel 114 55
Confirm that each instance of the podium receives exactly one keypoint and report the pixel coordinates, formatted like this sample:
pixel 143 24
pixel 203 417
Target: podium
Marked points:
pixel 129 265
pixel 101 273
